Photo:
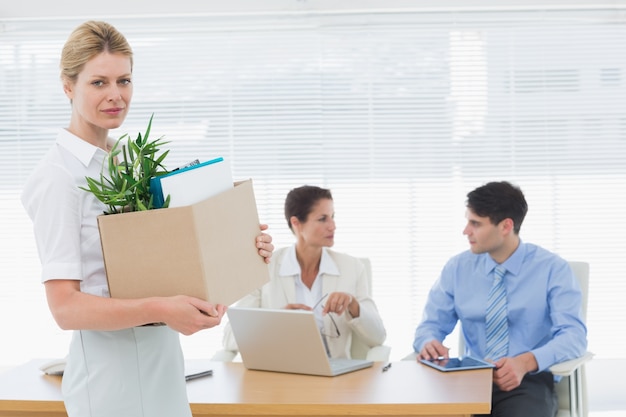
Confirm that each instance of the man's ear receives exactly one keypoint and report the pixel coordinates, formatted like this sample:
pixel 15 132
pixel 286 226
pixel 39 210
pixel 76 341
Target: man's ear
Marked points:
pixel 507 225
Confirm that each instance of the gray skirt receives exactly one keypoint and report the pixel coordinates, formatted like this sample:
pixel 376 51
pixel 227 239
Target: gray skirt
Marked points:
pixel 136 372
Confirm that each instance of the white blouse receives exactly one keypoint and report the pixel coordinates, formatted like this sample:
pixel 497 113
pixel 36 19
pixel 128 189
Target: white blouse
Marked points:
pixel 64 216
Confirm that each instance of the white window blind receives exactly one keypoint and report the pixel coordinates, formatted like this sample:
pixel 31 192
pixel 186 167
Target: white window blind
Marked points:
pixel 400 115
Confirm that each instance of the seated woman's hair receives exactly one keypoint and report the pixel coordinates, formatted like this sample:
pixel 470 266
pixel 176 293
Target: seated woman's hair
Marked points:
pixel 301 200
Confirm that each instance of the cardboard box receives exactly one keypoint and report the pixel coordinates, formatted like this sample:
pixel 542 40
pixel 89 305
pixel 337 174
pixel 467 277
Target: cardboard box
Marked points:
pixel 206 250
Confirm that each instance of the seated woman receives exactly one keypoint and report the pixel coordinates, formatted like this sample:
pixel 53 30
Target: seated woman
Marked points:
pixel 309 276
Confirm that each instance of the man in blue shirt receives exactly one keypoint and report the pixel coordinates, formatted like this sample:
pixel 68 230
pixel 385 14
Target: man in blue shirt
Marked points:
pixel 543 304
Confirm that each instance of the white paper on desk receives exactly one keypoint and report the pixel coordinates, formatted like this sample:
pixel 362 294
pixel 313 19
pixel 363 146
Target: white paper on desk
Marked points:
pixel 197 183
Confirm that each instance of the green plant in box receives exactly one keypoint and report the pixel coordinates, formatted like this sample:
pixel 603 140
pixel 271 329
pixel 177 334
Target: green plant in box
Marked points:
pixel 131 164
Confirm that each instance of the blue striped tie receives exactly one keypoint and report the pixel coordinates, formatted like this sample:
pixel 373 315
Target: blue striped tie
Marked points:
pixel 496 320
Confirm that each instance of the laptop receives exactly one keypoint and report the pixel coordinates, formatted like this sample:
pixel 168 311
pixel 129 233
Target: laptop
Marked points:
pixel 282 340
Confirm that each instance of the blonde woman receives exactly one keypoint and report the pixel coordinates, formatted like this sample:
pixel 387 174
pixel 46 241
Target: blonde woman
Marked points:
pixel 116 366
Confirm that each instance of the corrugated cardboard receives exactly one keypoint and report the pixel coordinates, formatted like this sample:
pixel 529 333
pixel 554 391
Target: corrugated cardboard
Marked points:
pixel 206 250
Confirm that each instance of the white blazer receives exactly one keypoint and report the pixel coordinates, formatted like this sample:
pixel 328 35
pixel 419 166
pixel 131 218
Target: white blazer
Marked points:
pixel 352 279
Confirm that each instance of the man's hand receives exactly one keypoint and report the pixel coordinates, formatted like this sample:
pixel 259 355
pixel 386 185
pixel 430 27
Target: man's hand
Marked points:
pixel 433 350
pixel 509 372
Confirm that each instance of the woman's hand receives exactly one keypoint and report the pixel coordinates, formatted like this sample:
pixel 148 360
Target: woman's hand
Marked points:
pixel 339 302
pixel 298 307
pixel 264 244
pixel 188 315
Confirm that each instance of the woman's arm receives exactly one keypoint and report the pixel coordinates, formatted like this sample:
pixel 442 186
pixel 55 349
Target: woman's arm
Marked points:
pixel 73 310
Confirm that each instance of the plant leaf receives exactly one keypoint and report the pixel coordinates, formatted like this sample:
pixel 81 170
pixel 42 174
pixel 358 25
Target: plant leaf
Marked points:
pixel 131 164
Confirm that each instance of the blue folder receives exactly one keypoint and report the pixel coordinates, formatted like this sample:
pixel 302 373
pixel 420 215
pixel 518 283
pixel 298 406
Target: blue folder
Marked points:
pixel 156 188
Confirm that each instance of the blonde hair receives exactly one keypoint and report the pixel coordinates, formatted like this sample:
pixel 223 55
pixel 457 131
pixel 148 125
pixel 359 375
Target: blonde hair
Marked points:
pixel 88 40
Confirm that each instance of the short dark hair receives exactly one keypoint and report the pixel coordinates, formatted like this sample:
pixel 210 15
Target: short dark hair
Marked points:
pixel 301 200
pixel 499 201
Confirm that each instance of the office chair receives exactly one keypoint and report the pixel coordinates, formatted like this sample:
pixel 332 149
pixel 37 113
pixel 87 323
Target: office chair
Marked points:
pixel 358 349
pixel 572 388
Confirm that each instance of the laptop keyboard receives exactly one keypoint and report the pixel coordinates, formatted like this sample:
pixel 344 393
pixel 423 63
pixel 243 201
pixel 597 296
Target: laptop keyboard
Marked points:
pixel 341 363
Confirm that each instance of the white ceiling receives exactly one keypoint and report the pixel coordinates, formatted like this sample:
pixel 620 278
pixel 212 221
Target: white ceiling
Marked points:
pixel 26 9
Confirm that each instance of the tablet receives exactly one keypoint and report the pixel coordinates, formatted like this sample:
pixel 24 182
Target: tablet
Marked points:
pixel 458 364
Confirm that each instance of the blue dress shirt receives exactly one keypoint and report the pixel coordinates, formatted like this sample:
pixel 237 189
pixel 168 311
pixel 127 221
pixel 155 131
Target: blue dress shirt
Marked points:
pixel 544 305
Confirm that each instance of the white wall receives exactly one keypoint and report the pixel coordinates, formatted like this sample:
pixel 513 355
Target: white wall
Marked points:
pixel 77 8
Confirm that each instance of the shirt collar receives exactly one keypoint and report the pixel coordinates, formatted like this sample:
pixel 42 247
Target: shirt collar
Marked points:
pixel 79 148
pixel 513 264
pixel 290 265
